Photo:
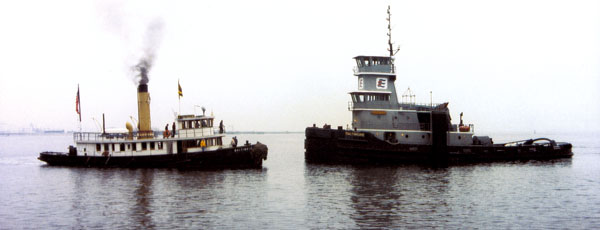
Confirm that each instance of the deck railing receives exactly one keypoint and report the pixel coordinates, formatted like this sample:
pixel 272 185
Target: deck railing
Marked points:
pixel 374 69
pixel 457 128
pixel 385 105
pixel 140 135
pixel 420 106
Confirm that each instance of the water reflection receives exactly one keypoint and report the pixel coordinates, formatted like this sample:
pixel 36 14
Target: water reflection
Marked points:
pixel 376 197
pixel 206 199
pixel 395 197
pixel 77 196
pixel 328 194
pixel 161 198
pixel 141 211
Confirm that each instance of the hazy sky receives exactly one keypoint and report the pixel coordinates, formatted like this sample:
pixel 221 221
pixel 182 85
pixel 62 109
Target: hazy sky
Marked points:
pixel 280 65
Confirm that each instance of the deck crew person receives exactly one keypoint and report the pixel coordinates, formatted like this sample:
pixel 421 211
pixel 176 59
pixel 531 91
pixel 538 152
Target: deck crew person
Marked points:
pixel 203 145
pixel 166 133
pixel 173 128
pixel 234 142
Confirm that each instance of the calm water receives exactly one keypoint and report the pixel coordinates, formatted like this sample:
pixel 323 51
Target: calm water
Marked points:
pixel 290 194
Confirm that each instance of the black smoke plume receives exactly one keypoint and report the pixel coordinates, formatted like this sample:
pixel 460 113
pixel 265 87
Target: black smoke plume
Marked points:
pixel 143 67
pixel 152 42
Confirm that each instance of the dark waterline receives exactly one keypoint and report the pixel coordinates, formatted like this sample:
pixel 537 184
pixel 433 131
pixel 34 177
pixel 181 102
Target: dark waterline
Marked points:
pixel 287 193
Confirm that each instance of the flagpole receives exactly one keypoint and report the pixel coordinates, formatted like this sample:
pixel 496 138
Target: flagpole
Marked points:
pixel 179 95
pixel 79 106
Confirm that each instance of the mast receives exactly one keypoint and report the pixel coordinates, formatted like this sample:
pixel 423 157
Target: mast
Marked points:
pixel 389 34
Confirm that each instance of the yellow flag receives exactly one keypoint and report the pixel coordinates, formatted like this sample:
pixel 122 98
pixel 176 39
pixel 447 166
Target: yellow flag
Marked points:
pixel 180 91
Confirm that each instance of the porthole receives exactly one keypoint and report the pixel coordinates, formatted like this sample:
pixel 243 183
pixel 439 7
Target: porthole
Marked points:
pixel 459 137
pixel 406 135
pixel 423 136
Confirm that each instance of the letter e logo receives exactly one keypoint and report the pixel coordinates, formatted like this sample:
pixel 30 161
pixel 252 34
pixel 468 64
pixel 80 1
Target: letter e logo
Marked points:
pixel 381 83
pixel 361 84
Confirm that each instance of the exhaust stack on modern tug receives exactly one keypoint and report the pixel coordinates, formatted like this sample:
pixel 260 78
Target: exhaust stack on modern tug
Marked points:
pixel 144 124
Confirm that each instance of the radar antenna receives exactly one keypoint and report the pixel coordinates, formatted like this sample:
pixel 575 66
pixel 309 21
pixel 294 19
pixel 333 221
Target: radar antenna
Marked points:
pixel 389 34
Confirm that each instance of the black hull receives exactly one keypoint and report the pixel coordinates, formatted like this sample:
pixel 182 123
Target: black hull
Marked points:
pixel 345 146
pixel 250 156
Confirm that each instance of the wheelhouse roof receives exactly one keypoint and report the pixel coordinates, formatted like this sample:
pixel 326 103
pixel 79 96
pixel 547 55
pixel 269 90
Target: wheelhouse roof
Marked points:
pixel 193 118
pixel 370 91
pixel 374 57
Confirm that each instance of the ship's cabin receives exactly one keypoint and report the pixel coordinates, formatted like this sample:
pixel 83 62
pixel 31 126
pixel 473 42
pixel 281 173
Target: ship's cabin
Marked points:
pixel 193 133
pixel 192 125
pixel 382 64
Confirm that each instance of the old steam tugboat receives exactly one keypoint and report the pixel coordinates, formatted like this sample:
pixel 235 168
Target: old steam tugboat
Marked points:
pixel 387 131
pixel 191 143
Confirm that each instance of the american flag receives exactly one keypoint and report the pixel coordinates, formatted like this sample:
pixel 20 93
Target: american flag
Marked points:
pixel 77 105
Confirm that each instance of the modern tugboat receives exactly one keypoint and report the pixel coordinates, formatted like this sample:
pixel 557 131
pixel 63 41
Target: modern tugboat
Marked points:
pixel 192 142
pixel 385 130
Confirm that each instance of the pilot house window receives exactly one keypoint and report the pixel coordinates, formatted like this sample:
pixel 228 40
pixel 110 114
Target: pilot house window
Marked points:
pixel 370 97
